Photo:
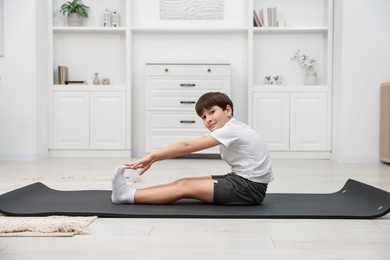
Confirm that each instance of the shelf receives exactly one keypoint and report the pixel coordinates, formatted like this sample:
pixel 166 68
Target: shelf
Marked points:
pixel 265 30
pixel 189 29
pixel 73 29
pixel 85 87
pixel 292 88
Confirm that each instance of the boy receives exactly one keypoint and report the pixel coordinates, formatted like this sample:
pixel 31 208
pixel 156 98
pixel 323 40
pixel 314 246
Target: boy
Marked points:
pixel 240 146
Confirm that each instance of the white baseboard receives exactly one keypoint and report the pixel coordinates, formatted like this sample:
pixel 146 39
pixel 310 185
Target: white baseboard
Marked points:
pixel 23 157
pixel 91 153
pixel 300 155
pixel 355 159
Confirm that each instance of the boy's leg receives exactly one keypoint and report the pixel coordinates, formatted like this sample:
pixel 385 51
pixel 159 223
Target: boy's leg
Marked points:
pixel 168 184
pixel 189 188
pixel 201 188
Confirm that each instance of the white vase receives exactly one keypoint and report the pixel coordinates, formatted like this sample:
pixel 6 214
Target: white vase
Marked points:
pixel 310 78
pixel 96 80
pixel 74 19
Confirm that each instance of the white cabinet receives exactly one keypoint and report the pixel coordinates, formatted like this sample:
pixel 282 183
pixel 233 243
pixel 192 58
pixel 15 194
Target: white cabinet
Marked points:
pixel 172 90
pixel 309 121
pixel 70 120
pixel 270 117
pixel 291 120
pixel 93 120
pixel 107 120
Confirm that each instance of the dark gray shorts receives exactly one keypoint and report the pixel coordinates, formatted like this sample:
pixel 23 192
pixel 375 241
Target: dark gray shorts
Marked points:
pixel 233 189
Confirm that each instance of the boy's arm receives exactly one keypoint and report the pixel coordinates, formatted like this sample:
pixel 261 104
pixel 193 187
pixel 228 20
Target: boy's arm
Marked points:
pixel 174 150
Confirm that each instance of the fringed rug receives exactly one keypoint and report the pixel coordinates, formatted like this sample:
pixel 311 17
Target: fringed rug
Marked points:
pixel 44 226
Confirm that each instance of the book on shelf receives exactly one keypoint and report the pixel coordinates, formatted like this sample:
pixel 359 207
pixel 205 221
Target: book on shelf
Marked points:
pixel 257 21
pixel 267 16
pixel 75 82
pixel 62 75
pixel 274 16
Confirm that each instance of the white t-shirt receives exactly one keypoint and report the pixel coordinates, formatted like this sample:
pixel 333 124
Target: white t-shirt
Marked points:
pixel 245 151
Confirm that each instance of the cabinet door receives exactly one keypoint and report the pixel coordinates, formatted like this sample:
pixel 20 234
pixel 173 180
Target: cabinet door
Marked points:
pixel 70 120
pixel 108 120
pixel 309 122
pixel 271 119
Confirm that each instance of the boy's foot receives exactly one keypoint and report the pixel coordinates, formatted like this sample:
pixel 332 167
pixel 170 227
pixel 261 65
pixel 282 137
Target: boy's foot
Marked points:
pixel 121 192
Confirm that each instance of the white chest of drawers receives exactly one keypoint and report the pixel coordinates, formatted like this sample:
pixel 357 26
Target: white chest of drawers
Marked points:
pixel 172 90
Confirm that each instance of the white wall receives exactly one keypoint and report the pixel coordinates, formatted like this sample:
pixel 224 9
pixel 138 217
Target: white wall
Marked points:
pixel 182 46
pixel 362 62
pixel 23 124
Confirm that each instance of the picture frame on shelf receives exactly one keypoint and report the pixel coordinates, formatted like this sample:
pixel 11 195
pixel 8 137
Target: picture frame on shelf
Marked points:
pixel 192 10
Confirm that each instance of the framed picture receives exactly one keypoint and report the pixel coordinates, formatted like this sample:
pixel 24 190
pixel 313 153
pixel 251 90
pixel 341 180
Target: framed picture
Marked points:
pixel 1 28
pixel 191 9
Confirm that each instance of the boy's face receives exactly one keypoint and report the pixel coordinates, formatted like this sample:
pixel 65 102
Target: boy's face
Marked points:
pixel 215 117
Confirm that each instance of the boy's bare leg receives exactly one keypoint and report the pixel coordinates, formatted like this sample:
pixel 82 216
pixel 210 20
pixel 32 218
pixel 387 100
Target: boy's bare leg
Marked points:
pixel 169 184
pixel 190 188
pixel 201 188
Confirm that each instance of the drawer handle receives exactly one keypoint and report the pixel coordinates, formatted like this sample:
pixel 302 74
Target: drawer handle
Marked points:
pixel 187 85
pixel 208 70
pixel 187 102
pixel 187 121
pixel 166 70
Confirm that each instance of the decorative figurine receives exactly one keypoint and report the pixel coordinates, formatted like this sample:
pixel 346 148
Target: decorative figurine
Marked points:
pixel 278 79
pixel 115 18
pixel 106 81
pixel 267 80
pixel 107 18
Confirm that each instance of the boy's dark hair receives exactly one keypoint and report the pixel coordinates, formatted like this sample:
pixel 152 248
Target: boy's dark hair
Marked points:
pixel 211 99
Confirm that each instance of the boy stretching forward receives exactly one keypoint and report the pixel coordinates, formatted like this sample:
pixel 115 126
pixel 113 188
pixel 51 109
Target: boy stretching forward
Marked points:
pixel 240 146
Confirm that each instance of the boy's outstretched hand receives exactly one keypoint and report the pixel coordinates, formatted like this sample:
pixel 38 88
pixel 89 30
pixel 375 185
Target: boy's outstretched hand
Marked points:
pixel 144 163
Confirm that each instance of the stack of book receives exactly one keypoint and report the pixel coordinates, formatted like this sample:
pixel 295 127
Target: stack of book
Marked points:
pixel 265 17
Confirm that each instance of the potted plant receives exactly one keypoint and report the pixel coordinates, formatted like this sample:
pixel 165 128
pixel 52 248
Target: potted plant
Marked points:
pixel 76 12
pixel 307 63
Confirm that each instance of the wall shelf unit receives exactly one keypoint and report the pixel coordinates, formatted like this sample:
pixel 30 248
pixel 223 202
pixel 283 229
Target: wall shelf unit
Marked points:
pixel 292 117
pixel 103 127
pixel 253 52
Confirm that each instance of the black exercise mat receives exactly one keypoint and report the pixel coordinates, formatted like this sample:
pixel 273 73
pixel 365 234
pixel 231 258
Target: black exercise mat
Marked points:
pixel 355 200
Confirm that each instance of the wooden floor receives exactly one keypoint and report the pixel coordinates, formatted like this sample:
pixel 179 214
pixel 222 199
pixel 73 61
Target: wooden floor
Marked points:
pixel 204 238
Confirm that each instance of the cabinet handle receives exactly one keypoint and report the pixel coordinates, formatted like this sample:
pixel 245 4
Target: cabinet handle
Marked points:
pixel 187 85
pixel 166 70
pixel 187 102
pixel 187 121
pixel 209 70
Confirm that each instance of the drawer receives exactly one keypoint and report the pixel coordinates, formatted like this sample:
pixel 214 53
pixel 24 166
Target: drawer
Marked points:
pixel 172 102
pixel 187 85
pixel 158 140
pixel 172 121
pixel 208 70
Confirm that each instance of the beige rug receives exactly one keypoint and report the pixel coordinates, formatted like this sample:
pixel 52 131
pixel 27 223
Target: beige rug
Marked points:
pixel 44 226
